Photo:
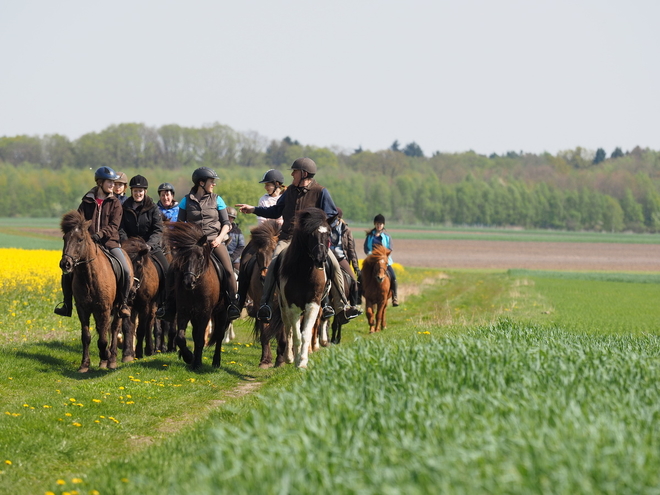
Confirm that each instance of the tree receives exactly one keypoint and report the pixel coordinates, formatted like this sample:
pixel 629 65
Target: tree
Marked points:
pixel 617 153
pixel 600 156
pixel 413 149
pixel 395 145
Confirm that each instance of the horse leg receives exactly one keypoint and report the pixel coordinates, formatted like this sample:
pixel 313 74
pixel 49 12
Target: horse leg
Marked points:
pixel 180 340
pixel 266 353
pixel 199 339
pixel 370 317
pixel 280 360
pixel 148 324
pixel 114 333
pixel 380 317
pixel 304 333
pixel 220 325
pixel 336 331
pixel 129 351
pixel 323 333
pixel 171 335
pixel 86 338
pixel 102 320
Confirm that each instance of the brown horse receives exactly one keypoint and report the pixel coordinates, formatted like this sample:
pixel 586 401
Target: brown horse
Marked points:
pixel 376 287
pixel 302 285
pixel 254 266
pixel 94 289
pixel 143 309
pixel 200 293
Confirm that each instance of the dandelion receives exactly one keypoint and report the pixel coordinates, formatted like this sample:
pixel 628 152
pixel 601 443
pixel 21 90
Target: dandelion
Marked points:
pixel 77 424
pixel 72 399
pixel 61 482
pixel 121 388
pixel 47 407
pixel 124 480
pixel 8 462
pixel 67 414
pixel 94 492
pixel 76 480
pixel 96 400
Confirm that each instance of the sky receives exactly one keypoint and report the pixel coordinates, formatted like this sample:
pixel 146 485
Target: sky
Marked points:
pixel 452 76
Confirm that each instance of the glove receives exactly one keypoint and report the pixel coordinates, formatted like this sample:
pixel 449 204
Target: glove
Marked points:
pixel 96 237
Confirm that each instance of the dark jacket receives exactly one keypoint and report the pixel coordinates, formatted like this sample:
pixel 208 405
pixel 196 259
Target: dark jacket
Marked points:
pixel 210 213
pixel 145 221
pixel 236 243
pixel 295 199
pixel 105 218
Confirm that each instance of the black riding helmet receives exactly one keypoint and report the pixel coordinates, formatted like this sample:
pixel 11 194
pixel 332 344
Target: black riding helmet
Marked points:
pixel 166 186
pixel 105 173
pixel 306 165
pixel 272 176
pixel 379 219
pixel 202 174
pixel 139 181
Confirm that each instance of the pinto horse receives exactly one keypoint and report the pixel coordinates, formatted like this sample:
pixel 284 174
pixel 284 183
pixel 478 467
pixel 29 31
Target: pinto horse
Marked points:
pixel 94 289
pixel 254 266
pixel 143 309
pixel 200 291
pixel 376 287
pixel 302 285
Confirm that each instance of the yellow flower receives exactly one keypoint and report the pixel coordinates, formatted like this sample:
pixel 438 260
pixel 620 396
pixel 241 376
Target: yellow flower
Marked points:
pixel 8 462
pixel 77 424
pixel 96 400
pixel 124 480
pixel 61 482
pixel 67 414
pixel 76 480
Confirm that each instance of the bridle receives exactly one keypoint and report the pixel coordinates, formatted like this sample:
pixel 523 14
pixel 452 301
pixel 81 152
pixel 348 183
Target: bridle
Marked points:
pixel 78 261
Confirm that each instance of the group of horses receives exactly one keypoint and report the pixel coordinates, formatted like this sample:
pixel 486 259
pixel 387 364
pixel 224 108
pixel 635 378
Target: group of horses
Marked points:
pixel 200 285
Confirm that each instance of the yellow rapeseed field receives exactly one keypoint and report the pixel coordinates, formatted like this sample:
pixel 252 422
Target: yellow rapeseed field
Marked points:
pixel 32 270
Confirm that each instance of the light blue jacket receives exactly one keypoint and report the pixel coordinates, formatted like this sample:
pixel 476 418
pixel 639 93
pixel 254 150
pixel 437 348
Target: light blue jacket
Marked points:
pixel 385 240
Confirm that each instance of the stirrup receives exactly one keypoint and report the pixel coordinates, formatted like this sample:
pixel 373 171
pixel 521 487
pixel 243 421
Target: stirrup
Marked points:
pixel 265 313
pixel 352 312
pixel 233 312
pixel 328 312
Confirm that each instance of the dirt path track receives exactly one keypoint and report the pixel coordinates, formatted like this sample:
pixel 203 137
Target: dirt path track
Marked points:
pixel 530 255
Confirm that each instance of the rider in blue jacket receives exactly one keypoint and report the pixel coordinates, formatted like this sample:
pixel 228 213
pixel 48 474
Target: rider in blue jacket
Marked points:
pixel 378 236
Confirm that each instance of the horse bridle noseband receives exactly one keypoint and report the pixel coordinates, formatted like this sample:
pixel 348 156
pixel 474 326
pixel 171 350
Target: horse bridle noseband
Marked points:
pixel 77 261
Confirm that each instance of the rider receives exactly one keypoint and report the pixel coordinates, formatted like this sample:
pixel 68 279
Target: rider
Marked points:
pixel 209 211
pixel 304 192
pixel 142 219
pixel 236 242
pixel 166 204
pixel 377 236
pixel 273 181
pixel 120 187
pixel 343 246
pixel 104 210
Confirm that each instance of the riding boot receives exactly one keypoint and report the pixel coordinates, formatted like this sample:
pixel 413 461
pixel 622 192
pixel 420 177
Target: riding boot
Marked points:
pixel 233 312
pixel 327 311
pixel 265 313
pixel 354 294
pixel 342 307
pixel 65 308
pixel 395 297
pixel 124 310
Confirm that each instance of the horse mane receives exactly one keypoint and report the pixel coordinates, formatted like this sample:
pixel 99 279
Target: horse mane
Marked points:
pixel 181 238
pixel 379 252
pixel 71 221
pixel 265 235
pixel 133 246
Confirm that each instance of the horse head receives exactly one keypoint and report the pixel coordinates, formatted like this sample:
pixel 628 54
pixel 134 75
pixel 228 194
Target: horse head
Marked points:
pixel 312 233
pixel 77 241
pixel 264 238
pixel 376 263
pixel 192 253
pixel 137 251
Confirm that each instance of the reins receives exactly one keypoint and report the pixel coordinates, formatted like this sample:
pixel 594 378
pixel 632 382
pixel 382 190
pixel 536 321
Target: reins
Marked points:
pixel 77 262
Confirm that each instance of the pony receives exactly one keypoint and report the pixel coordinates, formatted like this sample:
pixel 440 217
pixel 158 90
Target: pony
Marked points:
pixel 146 285
pixel 337 323
pixel 302 285
pixel 254 266
pixel 199 289
pixel 94 289
pixel 376 287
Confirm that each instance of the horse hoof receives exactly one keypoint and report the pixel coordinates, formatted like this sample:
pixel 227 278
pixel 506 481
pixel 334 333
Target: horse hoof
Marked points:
pixel 103 365
pixel 112 365
pixel 265 366
pixel 127 359
pixel 83 369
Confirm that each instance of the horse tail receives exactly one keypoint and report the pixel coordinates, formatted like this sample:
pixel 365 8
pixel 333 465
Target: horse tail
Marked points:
pixel 276 325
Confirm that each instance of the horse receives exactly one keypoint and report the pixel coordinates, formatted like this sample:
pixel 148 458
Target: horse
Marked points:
pixel 302 285
pixel 200 292
pixel 94 289
pixel 376 287
pixel 254 266
pixel 337 323
pixel 144 305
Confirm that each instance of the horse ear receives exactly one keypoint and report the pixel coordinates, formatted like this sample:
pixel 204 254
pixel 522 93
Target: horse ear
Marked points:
pixel 202 240
pixel 86 225
pixel 144 251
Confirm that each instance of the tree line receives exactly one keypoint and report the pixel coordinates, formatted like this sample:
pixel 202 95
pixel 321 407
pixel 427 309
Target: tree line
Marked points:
pixel 574 189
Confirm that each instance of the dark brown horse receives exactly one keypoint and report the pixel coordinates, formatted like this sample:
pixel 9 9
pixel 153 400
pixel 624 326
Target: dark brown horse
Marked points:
pixel 254 266
pixel 143 309
pixel 200 293
pixel 302 285
pixel 94 289
pixel 376 287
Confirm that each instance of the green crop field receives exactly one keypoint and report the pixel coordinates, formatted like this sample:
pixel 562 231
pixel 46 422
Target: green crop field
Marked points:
pixel 484 381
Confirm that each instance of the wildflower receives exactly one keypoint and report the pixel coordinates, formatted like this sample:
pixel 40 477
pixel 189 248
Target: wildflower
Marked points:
pixel 96 400
pixel 67 414
pixel 77 424
pixel 47 407
pixel 76 480
pixel 8 462
pixel 61 482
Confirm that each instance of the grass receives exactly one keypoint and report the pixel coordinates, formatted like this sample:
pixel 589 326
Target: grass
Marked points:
pixel 484 381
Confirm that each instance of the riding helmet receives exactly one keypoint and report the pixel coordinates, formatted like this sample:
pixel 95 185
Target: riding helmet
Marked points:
pixel 202 174
pixel 166 186
pixel 304 164
pixel 379 219
pixel 139 181
pixel 105 173
pixel 231 212
pixel 122 179
pixel 272 176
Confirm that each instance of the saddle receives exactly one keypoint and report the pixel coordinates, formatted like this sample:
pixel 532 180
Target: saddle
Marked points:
pixel 116 267
pixel 217 264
